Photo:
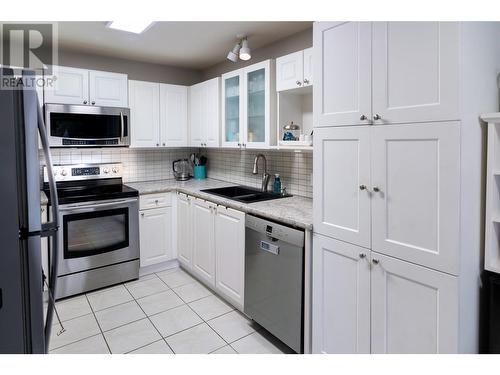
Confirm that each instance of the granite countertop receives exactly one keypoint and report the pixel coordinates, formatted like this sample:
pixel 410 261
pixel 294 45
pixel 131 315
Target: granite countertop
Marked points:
pixel 296 210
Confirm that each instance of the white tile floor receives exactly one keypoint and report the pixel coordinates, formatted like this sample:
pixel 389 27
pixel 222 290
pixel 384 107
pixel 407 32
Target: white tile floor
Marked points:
pixel 163 313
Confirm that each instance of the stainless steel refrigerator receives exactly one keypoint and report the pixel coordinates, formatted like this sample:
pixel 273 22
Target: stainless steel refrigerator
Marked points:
pixel 23 328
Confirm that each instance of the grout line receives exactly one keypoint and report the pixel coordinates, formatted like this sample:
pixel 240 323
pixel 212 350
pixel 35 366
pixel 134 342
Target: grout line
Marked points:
pixel 74 342
pixel 143 346
pixel 97 321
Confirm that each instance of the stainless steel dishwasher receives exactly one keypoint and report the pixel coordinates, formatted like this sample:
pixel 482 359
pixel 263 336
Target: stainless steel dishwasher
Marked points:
pixel 274 279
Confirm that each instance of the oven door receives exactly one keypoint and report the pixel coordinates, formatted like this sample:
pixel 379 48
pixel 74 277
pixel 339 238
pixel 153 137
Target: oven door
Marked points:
pixel 87 126
pixel 97 234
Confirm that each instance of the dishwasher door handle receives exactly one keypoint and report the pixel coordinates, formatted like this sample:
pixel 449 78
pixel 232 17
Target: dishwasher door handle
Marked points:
pixel 269 247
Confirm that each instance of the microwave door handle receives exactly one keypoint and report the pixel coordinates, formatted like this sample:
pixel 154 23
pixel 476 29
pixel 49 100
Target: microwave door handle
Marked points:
pixel 122 123
pixel 50 229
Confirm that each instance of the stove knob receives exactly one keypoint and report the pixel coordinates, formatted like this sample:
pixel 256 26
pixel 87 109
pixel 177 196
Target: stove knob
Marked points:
pixel 105 170
pixel 63 172
pixel 115 170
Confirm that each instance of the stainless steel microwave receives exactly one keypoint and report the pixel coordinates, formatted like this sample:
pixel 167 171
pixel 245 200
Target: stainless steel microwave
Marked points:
pixel 87 126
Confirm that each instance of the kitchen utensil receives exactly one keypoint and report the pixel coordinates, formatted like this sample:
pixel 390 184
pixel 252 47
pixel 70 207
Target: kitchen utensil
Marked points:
pixel 203 160
pixel 181 169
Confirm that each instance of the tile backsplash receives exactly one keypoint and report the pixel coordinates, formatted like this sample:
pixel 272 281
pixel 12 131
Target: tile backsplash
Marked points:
pixel 234 166
pixel 295 169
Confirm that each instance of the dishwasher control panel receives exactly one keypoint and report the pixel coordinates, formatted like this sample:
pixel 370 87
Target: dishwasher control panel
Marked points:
pixel 275 231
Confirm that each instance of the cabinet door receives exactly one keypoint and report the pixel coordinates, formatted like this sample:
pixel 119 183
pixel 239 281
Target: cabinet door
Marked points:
pixel 415 213
pixel 184 231
pixel 230 254
pixel 144 114
pixel 341 297
pixel 232 109
pixel 257 122
pixel 289 71
pixel 196 115
pixel 342 58
pixel 414 309
pixel 211 118
pixel 108 89
pixel 415 71
pixel 173 116
pixel 71 86
pixel 341 171
pixel 308 67
pixel 155 230
pixel 203 240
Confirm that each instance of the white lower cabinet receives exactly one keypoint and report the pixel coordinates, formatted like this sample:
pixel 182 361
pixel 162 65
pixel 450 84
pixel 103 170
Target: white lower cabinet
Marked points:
pixel 341 297
pixel 211 245
pixel 230 254
pixel 155 232
pixel 365 302
pixel 203 240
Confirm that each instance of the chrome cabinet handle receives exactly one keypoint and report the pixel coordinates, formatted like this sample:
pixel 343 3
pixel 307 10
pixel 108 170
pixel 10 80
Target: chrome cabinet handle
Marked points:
pixel 93 102
pixel 163 143
pixel 157 144
pixel 375 261
pixel 376 189
pixel 306 81
pixel 84 102
pixel 298 83
pixel 362 255
pixel 363 118
pixel 377 117
pixel 362 187
pixel 239 144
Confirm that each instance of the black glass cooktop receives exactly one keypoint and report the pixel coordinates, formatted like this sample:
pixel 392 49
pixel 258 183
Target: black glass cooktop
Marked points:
pixel 92 190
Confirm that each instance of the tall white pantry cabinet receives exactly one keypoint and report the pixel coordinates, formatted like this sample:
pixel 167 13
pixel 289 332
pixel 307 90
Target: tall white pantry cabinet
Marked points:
pixel 397 184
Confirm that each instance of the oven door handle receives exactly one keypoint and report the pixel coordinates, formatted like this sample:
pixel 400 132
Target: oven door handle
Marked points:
pixel 86 206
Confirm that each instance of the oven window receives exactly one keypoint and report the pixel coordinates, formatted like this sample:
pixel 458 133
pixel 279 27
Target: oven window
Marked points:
pixel 96 232
pixel 84 126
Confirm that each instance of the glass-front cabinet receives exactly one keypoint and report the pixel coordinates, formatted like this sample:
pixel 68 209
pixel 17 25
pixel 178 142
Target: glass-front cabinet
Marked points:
pixel 248 95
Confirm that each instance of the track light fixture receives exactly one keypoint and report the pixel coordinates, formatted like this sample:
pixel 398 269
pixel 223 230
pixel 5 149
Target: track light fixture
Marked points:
pixel 241 50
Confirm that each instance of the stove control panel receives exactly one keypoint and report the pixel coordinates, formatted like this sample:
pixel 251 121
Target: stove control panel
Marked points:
pixel 76 172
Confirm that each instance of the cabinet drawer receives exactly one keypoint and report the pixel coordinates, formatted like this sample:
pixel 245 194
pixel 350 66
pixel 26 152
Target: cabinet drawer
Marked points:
pixel 155 200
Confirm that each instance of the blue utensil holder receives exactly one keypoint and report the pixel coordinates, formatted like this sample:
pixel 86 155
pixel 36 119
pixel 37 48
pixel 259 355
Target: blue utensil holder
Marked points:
pixel 199 172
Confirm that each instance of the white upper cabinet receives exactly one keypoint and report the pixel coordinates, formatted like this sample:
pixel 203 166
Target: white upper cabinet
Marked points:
pixel 230 254
pixel 342 182
pixel 204 113
pixel 108 89
pixel 290 71
pixel 203 264
pixel 173 115
pixel 342 88
pixel 248 99
pixel 341 297
pixel 415 71
pixel 71 86
pixel 416 193
pixel 88 87
pixel 294 70
pixel 308 67
pixel 414 310
pixel 144 114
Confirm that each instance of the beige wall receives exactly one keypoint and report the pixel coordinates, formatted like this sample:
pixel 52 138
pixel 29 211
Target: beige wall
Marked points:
pixel 135 69
pixel 293 43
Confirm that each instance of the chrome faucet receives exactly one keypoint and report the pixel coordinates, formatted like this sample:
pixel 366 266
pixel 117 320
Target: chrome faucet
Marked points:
pixel 265 175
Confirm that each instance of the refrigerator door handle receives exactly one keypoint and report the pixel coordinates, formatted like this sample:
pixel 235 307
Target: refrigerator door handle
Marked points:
pixel 51 227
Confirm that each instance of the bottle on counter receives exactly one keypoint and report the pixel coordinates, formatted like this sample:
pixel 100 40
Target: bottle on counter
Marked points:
pixel 277 184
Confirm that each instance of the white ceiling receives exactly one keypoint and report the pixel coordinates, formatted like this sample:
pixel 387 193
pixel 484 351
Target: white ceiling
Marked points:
pixel 196 45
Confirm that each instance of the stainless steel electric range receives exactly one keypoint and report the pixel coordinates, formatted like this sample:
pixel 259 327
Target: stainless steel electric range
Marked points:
pixel 99 227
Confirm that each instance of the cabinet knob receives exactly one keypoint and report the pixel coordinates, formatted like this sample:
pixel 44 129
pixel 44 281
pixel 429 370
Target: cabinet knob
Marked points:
pixel 163 143
pixel 93 102
pixel 362 187
pixel 156 201
pixel 376 189
pixel 376 116
pixel 157 144
pixel 363 118
pixel 298 83
pixel 375 261
pixel 239 144
pixel 142 214
pixel 362 255
pixel 84 102
pixel 306 81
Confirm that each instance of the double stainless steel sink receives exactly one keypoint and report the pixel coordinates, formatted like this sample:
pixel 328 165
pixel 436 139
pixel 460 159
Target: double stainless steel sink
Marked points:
pixel 244 194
